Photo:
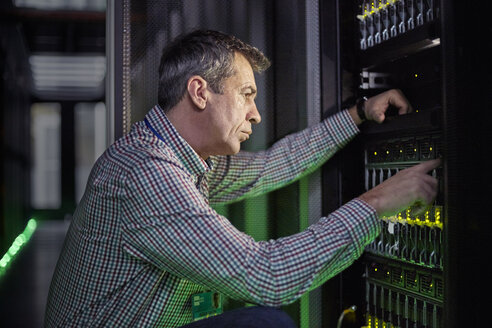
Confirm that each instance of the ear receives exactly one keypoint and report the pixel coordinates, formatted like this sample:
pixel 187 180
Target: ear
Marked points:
pixel 197 90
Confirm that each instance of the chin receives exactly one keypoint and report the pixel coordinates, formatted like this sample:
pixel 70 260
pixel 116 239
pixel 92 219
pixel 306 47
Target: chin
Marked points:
pixel 228 148
pixel 233 150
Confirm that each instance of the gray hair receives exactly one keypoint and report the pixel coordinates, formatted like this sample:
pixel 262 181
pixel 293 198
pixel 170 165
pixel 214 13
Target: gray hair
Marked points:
pixel 209 54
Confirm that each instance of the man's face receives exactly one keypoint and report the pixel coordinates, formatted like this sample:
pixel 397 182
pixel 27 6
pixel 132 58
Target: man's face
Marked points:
pixel 233 112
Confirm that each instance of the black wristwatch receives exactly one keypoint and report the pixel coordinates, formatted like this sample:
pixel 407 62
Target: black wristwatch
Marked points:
pixel 360 108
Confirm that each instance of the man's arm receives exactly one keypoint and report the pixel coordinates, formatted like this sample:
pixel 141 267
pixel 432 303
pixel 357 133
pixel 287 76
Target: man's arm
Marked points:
pixel 167 223
pixel 249 174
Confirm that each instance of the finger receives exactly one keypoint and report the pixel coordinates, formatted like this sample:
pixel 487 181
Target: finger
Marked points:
pixel 379 117
pixel 400 101
pixel 434 183
pixel 407 110
pixel 426 197
pixel 427 166
pixel 419 208
pixel 428 188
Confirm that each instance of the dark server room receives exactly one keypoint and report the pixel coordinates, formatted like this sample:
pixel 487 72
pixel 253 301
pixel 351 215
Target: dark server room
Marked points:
pixel 80 76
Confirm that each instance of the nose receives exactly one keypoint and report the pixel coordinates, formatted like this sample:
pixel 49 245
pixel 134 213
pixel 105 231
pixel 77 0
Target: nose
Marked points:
pixel 253 115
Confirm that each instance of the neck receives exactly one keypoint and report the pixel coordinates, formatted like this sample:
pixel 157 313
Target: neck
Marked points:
pixel 187 121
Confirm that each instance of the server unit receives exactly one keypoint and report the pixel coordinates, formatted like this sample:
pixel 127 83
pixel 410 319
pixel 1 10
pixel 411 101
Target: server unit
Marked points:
pixel 423 269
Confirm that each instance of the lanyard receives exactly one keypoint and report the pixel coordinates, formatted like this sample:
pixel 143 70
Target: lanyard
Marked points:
pixel 153 130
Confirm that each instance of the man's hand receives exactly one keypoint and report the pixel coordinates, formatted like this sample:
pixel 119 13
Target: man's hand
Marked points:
pixel 375 107
pixel 409 187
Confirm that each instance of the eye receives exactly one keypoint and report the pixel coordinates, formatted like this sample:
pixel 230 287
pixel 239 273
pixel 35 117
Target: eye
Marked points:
pixel 249 93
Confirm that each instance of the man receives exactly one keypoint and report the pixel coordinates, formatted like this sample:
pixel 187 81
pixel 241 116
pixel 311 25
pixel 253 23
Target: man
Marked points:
pixel 144 240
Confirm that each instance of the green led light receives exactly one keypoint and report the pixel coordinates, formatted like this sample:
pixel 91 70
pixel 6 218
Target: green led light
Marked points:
pixel 17 245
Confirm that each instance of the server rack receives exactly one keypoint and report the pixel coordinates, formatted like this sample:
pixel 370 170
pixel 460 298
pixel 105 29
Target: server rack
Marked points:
pixel 424 270
pixel 403 276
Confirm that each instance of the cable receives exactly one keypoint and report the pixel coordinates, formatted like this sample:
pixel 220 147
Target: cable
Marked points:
pixel 346 311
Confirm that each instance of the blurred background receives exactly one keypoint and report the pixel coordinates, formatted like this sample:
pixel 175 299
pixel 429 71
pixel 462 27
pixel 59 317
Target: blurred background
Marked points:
pixel 53 127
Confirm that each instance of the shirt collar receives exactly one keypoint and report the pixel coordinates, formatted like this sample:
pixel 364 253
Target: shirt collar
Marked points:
pixel 187 155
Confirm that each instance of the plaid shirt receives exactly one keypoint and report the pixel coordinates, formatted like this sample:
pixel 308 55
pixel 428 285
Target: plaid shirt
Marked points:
pixel 144 238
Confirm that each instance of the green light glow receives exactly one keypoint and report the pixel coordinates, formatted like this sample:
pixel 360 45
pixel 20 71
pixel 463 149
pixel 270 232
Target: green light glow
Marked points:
pixel 17 245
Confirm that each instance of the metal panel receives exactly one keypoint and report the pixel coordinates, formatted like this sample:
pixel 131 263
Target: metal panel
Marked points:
pixel 466 88
pixel 313 302
pixel 114 78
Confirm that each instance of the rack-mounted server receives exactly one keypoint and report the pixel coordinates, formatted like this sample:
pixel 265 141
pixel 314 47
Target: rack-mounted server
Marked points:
pixel 399 45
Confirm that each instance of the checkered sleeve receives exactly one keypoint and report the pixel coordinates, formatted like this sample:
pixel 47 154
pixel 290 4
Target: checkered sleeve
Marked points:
pixel 250 174
pixel 167 223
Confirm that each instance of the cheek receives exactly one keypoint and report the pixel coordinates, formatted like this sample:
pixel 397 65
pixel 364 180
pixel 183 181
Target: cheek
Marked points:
pixel 234 118
pixel 231 116
pixel 240 110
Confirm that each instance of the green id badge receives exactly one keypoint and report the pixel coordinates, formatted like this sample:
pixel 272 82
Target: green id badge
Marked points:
pixel 205 305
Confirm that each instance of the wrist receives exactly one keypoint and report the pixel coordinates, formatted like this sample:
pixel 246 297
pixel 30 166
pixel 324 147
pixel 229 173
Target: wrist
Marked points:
pixel 360 108
pixel 372 200
pixel 355 117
